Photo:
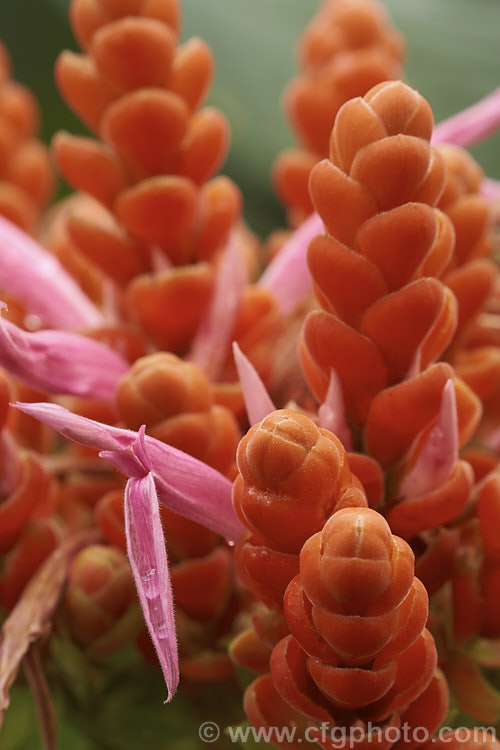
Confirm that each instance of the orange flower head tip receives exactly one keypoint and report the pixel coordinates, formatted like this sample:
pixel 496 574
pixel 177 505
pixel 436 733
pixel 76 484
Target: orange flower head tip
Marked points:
pixel 292 476
pixel 361 566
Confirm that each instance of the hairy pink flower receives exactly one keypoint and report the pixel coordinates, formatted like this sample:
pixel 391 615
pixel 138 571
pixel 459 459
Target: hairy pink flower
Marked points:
pixel 60 361
pixel 184 484
pixel 35 277
pixel 157 473
pixel 148 560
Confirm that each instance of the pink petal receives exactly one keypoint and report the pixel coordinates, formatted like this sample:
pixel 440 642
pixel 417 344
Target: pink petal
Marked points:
pixel 35 277
pixel 148 560
pixel 490 189
pixel 257 400
pixel 472 124
pixel 60 362
pixel 288 276
pixel 159 261
pixel 332 412
pixel 440 452
pixel 184 484
pixel 211 344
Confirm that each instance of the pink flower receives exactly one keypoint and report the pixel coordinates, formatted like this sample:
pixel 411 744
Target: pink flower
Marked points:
pixel 332 412
pixel 148 560
pixel 472 124
pixel 35 277
pixel 157 473
pixel 211 345
pixel 258 402
pixel 287 276
pixel 440 452
pixel 60 362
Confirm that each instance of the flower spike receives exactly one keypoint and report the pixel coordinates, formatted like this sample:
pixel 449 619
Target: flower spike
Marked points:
pixel 257 400
pixel 440 452
pixel 148 560
pixel 288 277
pixel 471 125
pixel 184 484
pixel 34 276
pixel 60 362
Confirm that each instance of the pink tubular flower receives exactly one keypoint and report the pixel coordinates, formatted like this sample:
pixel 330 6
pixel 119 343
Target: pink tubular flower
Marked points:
pixel 186 485
pixel 287 276
pixel 491 189
pixel 258 402
pixel 148 560
pixel 35 277
pixel 440 452
pixel 210 347
pixel 332 412
pixel 157 473
pixel 60 362
pixel 472 124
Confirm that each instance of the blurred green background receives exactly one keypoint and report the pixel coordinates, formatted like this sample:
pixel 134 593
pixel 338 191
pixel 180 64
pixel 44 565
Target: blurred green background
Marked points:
pixel 453 60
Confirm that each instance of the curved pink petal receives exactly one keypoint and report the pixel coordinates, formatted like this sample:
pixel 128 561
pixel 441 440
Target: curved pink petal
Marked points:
pixel 35 277
pixel 184 484
pixel 440 452
pixel 288 276
pixel 257 400
pixel 148 560
pixel 211 345
pixel 490 189
pixel 471 125
pixel 60 361
pixel 331 413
